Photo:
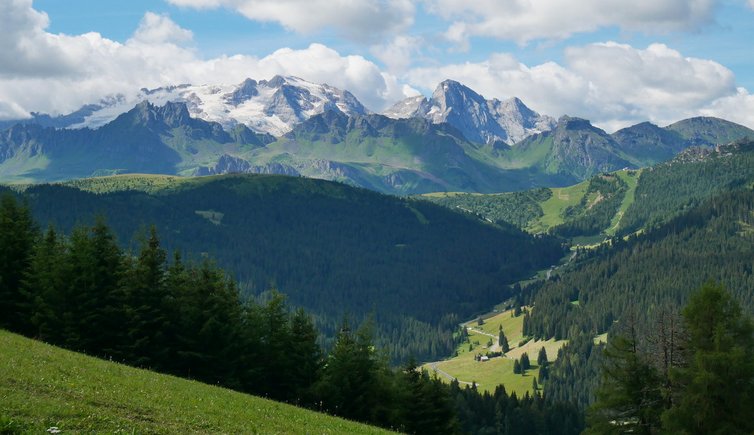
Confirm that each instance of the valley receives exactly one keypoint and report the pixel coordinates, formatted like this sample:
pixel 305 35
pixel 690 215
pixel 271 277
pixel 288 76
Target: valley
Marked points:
pixel 545 223
pixel 376 216
pixel 466 367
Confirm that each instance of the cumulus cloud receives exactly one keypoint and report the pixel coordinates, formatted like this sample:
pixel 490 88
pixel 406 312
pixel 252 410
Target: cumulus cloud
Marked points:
pixel 358 19
pixel 398 54
pixel 524 21
pixel 612 84
pixel 160 29
pixel 50 73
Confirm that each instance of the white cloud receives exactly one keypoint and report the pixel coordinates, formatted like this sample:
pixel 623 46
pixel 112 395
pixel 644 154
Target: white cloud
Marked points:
pixel 50 73
pixel 398 54
pixel 160 29
pixel 751 4
pixel 523 21
pixel 737 108
pixel 612 84
pixel 358 19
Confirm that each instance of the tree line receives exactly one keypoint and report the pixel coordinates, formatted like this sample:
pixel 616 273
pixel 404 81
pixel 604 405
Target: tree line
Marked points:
pixel 148 309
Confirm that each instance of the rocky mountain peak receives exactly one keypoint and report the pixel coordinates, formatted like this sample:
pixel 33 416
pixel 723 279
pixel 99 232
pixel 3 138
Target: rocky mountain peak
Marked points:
pixel 480 120
pixel 170 114
pixel 574 123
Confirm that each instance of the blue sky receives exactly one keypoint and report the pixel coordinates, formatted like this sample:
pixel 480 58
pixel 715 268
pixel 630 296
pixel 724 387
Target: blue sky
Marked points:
pixel 611 61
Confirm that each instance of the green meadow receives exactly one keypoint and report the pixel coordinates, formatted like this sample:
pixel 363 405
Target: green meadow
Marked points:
pixel 42 386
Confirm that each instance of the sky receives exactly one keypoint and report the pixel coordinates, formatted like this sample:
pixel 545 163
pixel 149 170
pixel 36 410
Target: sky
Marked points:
pixel 614 62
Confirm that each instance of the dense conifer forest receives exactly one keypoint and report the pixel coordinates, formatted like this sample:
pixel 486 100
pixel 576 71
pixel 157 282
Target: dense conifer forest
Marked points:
pixel 651 275
pixel 146 308
pixel 332 249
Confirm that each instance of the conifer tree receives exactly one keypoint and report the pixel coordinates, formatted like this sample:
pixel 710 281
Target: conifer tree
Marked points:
pixel 46 284
pixel 305 357
pixel 525 363
pixel 542 357
pixel 101 297
pixel 18 234
pixel 502 340
pixel 629 398
pixel 715 392
pixel 147 306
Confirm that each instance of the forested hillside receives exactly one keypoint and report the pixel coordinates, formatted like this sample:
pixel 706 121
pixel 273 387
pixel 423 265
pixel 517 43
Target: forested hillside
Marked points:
pixel 617 203
pixel 332 249
pixel 85 293
pixel 649 275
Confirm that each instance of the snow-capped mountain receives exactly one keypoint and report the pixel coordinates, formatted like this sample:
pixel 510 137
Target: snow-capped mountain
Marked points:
pixel 480 120
pixel 266 106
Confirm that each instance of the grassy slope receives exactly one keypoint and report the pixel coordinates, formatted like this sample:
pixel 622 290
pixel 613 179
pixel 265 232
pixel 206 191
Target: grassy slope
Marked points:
pixel 562 197
pixel 554 207
pixel 489 374
pixel 43 386
pixel 631 178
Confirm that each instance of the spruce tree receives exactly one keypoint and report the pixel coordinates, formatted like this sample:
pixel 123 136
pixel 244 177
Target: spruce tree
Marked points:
pixel 305 357
pixel 46 284
pixel 502 340
pixel 18 234
pixel 628 398
pixel 715 392
pixel 542 357
pixel 102 300
pixel 149 345
pixel 525 363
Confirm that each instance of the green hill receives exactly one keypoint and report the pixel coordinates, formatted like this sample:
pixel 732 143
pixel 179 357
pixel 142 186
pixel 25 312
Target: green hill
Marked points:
pixel 617 203
pixel 590 209
pixel 43 386
pixel 333 249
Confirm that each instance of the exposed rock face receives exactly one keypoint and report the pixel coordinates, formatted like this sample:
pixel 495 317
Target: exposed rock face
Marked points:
pixel 228 164
pixel 480 120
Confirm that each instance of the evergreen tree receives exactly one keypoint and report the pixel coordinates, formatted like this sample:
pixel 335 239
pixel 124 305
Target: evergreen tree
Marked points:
pixel 525 363
pixel 46 284
pixel 517 367
pixel 350 385
pixel 542 357
pixel 628 399
pixel 18 234
pixel 502 340
pixel 544 373
pixel 425 403
pixel 305 357
pixel 715 392
pixel 276 345
pixel 101 298
pixel 148 329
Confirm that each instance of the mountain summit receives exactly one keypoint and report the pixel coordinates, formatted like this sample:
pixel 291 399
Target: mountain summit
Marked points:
pixel 480 120
pixel 267 106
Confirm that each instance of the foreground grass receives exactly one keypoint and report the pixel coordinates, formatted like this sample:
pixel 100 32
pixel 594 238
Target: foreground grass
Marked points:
pixel 43 386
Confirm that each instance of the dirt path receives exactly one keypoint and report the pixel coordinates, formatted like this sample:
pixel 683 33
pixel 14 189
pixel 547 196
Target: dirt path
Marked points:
pixel 448 375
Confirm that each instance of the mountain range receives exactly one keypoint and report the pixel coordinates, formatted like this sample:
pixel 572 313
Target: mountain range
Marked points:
pixel 454 141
